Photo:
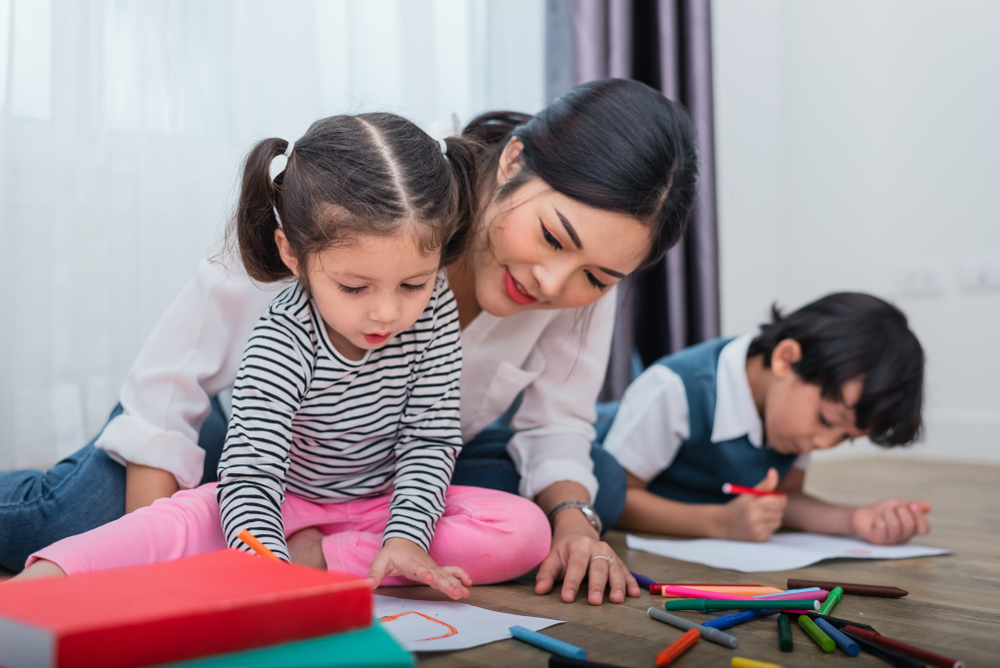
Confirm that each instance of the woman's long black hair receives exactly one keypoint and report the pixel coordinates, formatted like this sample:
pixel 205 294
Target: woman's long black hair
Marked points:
pixel 613 144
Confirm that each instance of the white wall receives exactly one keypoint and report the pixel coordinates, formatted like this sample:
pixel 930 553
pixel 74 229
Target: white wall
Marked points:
pixel 122 130
pixel 859 149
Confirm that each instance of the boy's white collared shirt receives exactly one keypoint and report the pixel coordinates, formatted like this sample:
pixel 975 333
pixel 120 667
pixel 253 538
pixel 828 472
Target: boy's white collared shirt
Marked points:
pixel 735 411
pixel 653 418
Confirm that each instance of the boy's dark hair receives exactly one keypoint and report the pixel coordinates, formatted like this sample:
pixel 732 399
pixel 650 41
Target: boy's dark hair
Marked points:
pixel 852 335
pixel 613 144
pixel 369 174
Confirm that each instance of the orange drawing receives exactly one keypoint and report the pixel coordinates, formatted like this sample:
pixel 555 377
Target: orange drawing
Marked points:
pixel 451 629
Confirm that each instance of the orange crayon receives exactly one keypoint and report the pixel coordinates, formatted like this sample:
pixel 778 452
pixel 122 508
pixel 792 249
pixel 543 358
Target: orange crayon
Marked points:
pixel 657 587
pixel 256 545
pixel 677 648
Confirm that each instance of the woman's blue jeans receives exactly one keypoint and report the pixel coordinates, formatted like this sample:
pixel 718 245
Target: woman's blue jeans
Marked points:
pixel 83 491
pixel 484 462
pixel 87 489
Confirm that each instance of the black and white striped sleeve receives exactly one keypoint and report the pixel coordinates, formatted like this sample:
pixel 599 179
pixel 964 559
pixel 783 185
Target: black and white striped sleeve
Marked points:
pixel 430 435
pixel 269 389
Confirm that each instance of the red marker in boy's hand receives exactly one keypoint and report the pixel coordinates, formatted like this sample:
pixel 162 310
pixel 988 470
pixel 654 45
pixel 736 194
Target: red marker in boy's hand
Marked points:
pixel 730 488
pixel 757 515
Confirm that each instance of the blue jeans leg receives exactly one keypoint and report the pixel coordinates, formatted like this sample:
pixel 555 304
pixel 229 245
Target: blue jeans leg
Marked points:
pixel 37 508
pixel 80 493
pixel 484 462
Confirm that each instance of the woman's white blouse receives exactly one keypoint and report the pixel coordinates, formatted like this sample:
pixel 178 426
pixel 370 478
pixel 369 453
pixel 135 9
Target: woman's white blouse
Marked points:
pixel 557 358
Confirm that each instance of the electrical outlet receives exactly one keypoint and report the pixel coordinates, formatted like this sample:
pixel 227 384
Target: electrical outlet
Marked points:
pixel 981 271
pixel 924 279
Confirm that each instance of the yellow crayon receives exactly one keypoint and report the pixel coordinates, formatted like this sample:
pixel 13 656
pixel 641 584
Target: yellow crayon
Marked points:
pixel 739 662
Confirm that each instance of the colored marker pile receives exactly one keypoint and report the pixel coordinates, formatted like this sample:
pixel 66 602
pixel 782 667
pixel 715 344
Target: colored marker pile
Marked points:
pixel 801 602
pixel 808 602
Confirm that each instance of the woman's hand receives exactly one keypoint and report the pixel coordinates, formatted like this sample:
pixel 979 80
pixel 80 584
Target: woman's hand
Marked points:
pixel 404 557
pixel 891 521
pixel 575 545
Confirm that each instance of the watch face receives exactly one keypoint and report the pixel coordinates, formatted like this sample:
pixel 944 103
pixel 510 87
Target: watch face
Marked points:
pixel 588 513
pixel 592 517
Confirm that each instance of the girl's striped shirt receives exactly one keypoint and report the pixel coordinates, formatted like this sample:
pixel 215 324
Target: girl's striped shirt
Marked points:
pixel 330 430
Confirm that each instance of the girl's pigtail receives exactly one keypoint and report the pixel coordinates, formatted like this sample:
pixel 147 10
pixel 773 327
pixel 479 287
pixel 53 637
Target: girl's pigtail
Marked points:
pixel 466 157
pixel 255 220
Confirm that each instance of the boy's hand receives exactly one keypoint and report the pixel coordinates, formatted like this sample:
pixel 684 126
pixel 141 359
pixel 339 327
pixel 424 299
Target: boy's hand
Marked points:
pixel 754 518
pixel 403 557
pixel 891 521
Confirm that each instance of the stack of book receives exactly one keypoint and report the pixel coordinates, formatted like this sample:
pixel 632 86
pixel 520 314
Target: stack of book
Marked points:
pixel 225 608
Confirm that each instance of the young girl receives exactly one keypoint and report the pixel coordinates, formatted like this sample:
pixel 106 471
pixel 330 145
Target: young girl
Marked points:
pixel 348 389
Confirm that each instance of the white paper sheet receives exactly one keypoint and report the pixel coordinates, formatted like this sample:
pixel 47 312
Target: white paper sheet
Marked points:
pixel 783 552
pixel 433 626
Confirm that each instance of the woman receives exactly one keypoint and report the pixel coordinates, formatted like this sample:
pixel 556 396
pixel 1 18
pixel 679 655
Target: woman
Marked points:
pixel 593 187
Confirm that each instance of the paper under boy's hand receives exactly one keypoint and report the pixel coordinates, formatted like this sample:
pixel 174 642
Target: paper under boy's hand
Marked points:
pixel 891 521
pixel 755 518
pixel 403 557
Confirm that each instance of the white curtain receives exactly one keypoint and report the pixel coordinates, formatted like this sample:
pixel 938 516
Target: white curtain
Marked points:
pixel 122 128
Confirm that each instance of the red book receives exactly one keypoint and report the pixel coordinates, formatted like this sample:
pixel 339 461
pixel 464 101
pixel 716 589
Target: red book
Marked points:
pixel 144 615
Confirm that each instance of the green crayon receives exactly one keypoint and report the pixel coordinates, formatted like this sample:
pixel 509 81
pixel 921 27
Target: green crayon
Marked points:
pixel 816 633
pixel 703 604
pixel 831 600
pixel 785 642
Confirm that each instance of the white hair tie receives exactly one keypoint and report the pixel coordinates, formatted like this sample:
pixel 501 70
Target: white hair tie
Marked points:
pixel 275 170
pixel 280 162
pixel 444 146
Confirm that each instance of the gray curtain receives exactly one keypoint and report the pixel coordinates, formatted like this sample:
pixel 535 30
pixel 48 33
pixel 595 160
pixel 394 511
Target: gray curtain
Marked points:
pixel 667 45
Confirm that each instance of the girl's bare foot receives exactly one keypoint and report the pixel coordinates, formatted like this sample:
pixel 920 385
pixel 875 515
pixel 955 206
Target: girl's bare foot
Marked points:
pixel 305 547
pixel 40 569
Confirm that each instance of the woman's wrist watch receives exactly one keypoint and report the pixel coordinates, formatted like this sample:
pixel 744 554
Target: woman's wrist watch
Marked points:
pixel 584 507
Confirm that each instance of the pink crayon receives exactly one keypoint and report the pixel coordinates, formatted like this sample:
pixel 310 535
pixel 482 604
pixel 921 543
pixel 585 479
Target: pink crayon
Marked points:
pixel 688 592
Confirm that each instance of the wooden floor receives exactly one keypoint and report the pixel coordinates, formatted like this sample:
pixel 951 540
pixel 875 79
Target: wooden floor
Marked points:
pixel 953 607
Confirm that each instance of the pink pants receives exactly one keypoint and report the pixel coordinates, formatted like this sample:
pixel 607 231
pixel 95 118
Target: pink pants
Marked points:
pixel 494 536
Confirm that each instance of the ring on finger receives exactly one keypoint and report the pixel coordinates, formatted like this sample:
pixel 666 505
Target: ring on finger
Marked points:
pixel 605 557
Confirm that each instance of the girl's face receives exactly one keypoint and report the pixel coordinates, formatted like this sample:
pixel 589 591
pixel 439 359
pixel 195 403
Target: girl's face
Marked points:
pixel 369 290
pixel 543 250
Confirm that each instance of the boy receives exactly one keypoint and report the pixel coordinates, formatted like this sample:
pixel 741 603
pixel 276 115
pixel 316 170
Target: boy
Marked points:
pixel 748 411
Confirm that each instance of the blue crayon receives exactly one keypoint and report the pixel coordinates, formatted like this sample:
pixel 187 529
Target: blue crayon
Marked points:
pixel 643 581
pixel 549 644
pixel 725 621
pixel 843 642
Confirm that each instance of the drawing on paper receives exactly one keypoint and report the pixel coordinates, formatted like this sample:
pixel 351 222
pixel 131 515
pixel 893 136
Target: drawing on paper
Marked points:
pixel 441 626
pixel 451 629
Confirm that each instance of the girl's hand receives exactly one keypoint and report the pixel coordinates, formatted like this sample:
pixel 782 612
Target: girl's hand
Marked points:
pixel 403 557
pixel 574 546
pixel 754 518
pixel 891 521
